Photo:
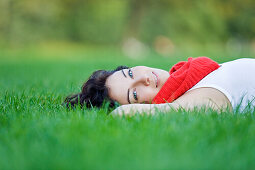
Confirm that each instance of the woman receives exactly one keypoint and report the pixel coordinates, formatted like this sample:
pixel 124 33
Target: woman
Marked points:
pixel 199 82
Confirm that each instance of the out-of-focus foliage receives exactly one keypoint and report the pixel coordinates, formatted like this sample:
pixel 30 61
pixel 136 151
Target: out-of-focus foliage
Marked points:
pixel 112 21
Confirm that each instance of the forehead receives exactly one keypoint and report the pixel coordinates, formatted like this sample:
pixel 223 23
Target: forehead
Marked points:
pixel 118 85
pixel 119 76
pixel 116 76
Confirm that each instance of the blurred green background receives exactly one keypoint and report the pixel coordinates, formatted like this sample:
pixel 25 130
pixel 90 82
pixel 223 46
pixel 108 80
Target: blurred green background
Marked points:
pixel 48 48
pixel 132 28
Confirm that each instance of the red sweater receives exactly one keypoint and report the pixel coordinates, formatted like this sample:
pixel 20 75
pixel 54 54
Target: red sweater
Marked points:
pixel 183 76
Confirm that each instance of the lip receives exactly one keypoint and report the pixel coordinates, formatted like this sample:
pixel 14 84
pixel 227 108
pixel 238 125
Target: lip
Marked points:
pixel 157 79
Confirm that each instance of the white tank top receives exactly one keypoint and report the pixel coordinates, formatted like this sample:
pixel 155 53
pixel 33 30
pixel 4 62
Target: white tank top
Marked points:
pixel 235 79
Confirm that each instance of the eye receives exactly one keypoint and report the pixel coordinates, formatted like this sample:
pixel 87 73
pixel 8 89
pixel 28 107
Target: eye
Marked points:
pixel 135 95
pixel 130 73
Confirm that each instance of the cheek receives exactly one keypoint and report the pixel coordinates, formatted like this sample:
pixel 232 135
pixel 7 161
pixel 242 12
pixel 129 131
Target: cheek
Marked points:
pixel 147 94
pixel 140 70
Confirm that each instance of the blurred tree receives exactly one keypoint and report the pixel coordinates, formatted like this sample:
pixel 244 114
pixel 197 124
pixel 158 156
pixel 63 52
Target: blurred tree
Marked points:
pixel 109 22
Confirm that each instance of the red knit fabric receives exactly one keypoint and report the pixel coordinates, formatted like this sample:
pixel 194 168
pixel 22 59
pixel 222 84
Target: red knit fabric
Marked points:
pixel 183 76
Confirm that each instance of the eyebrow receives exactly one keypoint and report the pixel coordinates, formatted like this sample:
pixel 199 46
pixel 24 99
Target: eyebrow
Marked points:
pixel 123 73
pixel 128 97
pixel 128 89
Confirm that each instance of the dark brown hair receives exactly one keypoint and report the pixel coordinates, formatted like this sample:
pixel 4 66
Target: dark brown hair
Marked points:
pixel 93 93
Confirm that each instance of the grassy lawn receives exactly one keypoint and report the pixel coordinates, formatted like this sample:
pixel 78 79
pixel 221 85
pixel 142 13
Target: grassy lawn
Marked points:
pixel 36 132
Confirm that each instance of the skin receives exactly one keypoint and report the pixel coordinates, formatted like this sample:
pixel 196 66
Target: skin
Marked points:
pixel 201 98
pixel 144 82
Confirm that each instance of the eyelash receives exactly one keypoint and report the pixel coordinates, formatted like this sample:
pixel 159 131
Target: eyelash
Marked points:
pixel 130 73
pixel 135 95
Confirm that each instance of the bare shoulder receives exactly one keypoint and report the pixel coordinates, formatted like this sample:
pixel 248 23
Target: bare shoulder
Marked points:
pixel 204 96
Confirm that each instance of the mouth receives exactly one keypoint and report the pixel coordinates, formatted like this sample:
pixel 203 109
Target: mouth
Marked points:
pixel 156 79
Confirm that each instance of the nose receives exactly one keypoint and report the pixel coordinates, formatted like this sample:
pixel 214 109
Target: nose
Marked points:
pixel 144 79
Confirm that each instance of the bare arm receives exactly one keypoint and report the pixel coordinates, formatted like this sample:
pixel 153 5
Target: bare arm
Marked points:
pixel 204 97
pixel 198 98
pixel 130 109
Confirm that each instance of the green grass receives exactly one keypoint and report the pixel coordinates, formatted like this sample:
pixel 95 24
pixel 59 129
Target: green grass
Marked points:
pixel 36 132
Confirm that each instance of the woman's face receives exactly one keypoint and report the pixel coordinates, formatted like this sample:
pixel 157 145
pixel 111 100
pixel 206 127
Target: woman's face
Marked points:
pixel 138 84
